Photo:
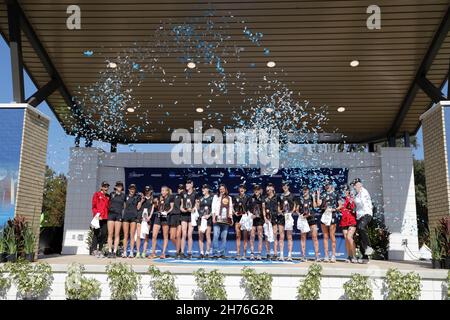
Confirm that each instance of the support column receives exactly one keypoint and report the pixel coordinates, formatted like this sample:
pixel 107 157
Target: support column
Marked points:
pixel 399 202
pixel 436 139
pixel 15 49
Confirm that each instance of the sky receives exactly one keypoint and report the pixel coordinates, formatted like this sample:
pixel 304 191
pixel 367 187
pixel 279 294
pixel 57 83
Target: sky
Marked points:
pixel 59 143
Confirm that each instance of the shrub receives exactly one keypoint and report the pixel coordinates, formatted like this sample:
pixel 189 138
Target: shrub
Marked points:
pixel 32 281
pixel 402 287
pixel 5 283
pixel 78 287
pixel 211 284
pixel 309 289
pixel 29 239
pixel 163 284
pixel 358 288
pixel 124 282
pixel 258 286
pixel 10 240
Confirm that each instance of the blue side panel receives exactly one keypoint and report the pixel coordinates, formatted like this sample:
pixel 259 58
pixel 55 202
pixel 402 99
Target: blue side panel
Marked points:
pixel 11 128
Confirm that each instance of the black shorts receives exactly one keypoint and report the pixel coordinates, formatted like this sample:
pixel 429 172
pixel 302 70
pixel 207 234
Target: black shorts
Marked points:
pixel 185 217
pixel 278 219
pixel 174 219
pixel 130 218
pixel 258 222
pixel 160 220
pixel 208 222
pixel 236 219
pixel 347 227
pixel 312 221
pixel 114 217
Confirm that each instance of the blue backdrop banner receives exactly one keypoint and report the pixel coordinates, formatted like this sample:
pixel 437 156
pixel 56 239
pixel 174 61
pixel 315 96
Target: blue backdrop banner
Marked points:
pixel 11 124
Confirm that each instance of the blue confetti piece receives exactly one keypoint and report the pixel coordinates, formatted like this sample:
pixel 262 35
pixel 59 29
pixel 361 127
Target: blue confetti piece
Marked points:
pixel 88 53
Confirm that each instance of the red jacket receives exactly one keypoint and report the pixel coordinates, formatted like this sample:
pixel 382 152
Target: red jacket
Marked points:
pixel 348 213
pixel 100 204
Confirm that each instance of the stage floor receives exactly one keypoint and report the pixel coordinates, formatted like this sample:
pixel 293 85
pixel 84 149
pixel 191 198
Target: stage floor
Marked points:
pixel 93 264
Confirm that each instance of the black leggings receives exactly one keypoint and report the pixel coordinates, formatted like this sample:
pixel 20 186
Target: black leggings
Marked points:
pixel 99 236
pixel 362 231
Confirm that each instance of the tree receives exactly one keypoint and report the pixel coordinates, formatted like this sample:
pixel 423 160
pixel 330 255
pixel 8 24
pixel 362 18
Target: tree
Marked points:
pixel 421 201
pixel 54 202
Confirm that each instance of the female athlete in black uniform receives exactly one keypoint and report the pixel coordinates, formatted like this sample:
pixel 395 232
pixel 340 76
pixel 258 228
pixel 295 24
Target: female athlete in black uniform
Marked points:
pixel 175 220
pixel 130 218
pixel 187 205
pixel 116 206
pixel 240 207
pixel 256 208
pixel 328 201
pixel 286 207
pixel 305 208
pixel 146 212
pixel 204 207
pixel 165 207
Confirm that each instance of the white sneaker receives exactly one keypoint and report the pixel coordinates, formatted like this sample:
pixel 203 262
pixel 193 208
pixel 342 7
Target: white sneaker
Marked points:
pixel 369 251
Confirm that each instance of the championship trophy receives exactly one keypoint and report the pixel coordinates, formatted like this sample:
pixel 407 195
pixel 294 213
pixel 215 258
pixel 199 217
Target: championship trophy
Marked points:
pixel 223 216
pixel 161 207
pixel 240 210
pixel 188 204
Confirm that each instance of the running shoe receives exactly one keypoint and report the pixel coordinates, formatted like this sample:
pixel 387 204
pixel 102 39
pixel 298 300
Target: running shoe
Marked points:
pixel 348 260
pixel 274 257
pixel 252 256
pixel 124 255
pixel 237 257
pixel 353 260
pixel 207 256
pixel 333 259
pixel 268 257
pixel 289 258
pixel 303 259
pixel 189 256
pixel 202 256
pixel 280 258
pixel 317 259
pixel 326 259
pixel 131 256
pixel 258 257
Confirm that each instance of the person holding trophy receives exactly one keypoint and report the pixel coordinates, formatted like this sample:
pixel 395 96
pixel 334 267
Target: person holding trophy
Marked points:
pixel 271 206
pixel 204 223
pixel 286 208
pixel 240 208
pixel 187 207
pixel 305 209
pixel 328 204
pixel 256 209
pixel 165 206
pixel 222 211
pixel 143 215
